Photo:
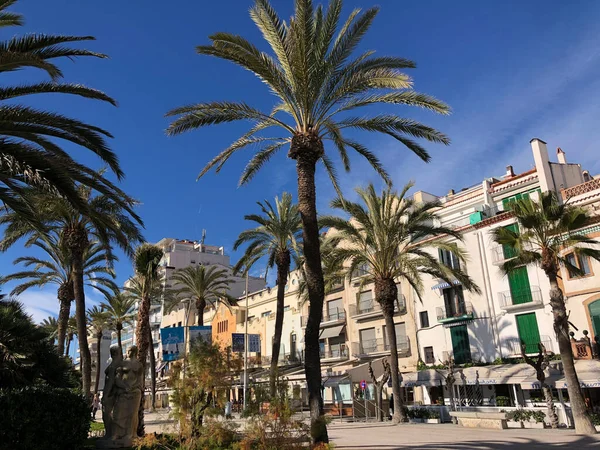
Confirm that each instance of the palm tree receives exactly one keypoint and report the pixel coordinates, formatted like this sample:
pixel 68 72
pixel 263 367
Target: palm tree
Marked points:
pixel 98 321
pixel 29 153
pixel 146 261
pixel 316 83
pixel 71 333
pixel 388 237
pixel 121 311
pixel 97 272
pixel 276 237
pixel 27 355
pixel 202 285
pixel 108 220
pixel 50 326
pixel 546 229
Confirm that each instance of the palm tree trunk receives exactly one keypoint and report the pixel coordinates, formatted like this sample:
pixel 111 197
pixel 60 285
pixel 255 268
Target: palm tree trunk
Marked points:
pixel 63 319
pixel 283 268
pixel 152 371
pixel 386 294
pixel 583 424
pixel 84 351
pixel 142 332
pixel 306 149
pixel 119 328
pixel 69 339
pixel 200 307
pixel 98 361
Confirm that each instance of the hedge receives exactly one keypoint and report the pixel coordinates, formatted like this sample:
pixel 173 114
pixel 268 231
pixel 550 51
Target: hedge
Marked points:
pixel 43 418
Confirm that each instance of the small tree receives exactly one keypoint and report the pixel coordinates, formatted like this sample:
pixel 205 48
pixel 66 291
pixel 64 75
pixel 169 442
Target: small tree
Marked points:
pixel 540 364
pixel 379 386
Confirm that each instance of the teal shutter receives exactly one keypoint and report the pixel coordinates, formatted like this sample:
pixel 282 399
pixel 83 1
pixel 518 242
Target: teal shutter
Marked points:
pixel 508 251
pixel 520 290
pixel 529 333
pixel 460 344
pixel 594 309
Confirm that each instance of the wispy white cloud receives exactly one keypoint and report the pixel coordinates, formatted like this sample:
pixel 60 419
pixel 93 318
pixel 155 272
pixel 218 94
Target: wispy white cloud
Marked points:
pixel 43 303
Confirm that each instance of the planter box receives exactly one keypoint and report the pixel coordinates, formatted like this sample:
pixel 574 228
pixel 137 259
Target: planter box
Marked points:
pixel 415 420
pixel 513 424
pixel 432 421
pixel 538 425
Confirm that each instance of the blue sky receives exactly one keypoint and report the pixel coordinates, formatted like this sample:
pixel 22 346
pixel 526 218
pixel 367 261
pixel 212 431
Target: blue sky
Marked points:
pixel 510 70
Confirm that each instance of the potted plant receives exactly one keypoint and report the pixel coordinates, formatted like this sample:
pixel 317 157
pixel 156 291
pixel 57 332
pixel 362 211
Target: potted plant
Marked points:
pixel 502 401
pixel 433 416
pixel 415 415
pixel 596 420
pixel 515 418
pixel 535 419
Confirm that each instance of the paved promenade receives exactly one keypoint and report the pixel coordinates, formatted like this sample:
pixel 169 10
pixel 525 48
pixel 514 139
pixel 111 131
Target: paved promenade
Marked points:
pixel 357 436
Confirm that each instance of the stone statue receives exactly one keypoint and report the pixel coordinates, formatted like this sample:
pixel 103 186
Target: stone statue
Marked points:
pixel 109 394
pixel 124 397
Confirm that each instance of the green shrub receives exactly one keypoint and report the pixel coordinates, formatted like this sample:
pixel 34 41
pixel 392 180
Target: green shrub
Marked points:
pixel 537 416
pixel 434 414
pixel 502 401
pixel 595 418
pixel 43 418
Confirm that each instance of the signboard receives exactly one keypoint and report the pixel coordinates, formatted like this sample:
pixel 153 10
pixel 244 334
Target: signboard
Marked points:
pixel 237 342
pixel 363 385
pixel 172 343
pixel 202 332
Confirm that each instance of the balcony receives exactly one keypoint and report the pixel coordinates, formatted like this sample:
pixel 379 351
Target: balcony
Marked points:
pixel 335 353
pixel 375 347
pixel 372 309
pixel 531 299
pixel 514 346
pixel 461 311
pixel 285 359
pixel 335 316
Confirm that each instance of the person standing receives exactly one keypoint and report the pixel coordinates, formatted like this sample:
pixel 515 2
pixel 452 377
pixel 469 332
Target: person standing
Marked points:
pixel 95 405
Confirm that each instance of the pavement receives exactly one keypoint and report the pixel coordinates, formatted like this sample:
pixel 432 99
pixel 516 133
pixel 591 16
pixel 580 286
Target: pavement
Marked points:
pixel 361 436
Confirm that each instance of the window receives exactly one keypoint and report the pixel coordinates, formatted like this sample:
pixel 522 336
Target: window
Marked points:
pixel 401 339
pixel 265 314
pixel 507 202
pixel 365 302
pixel 335 309
pixel 581 262
pixel 429 356
pixel 179 324
pixel 454 301
pixel 449 259
pixel 286 308
pixel 424 318
pixel 368 342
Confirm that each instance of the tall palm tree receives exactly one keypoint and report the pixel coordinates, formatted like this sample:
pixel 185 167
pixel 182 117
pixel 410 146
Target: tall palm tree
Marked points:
pixel 107 220
pixel 202 285
pixel 275 237
pixel 71 333
pixel 120 308
pixel 57 270
pixel 146 262
pixel 546 229
pixel 29 153
pixel 316 82
pixel 98 322
pixel 388 235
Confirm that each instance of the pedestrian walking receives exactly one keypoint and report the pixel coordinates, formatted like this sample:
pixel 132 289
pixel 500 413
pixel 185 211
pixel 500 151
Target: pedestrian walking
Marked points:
pixel 95 405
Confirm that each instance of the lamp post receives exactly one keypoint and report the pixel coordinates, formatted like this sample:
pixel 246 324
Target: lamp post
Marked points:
pixel 246 345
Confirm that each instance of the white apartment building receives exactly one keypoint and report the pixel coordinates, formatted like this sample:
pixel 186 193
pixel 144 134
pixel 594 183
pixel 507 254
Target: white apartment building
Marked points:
pixel 104 356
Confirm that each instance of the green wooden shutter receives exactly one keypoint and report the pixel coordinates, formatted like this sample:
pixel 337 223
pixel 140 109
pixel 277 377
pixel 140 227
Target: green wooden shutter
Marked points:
pixel 508 251
pixel 594 309
pixel 460 344
pixel 529 332
pixel 520 290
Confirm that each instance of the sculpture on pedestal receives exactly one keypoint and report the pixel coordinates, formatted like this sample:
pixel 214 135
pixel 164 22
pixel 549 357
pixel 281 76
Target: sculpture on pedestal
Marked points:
pixel 121 399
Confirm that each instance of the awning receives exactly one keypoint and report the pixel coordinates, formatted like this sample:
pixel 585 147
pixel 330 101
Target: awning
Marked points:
pixel 336 380
pixel 331 332
pixel 428 377
pixel 444 285
pixel 588 373
pixel 361 372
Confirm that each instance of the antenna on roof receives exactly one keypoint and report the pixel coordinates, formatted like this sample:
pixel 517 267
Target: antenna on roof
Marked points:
pixel 203 236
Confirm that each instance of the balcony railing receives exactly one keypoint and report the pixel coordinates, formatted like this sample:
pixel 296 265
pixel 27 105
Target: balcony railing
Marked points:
pixel 335 352
pixel 462 311
pixel 372 308
pixel 514 346
pixel 375 346
pixel 284 359
pixel 582 188
pixel 521 300
pixel 333 315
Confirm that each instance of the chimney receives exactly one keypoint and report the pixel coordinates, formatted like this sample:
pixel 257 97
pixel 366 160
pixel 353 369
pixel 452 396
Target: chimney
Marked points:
pixel 509 172
pixel 542 164
pixel 450 192
pixel 560 154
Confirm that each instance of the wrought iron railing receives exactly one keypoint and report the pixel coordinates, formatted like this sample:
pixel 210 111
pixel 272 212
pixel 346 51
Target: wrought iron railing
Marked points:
pixel 372 346
pixel 459 311
pixel 531 297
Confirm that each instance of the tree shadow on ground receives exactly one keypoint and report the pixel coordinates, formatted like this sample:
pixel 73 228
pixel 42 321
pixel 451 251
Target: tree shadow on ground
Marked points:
pixel 582 442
